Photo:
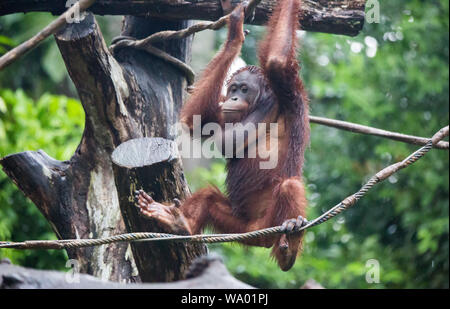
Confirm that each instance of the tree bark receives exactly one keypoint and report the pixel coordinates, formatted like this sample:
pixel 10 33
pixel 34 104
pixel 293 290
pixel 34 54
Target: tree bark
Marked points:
pixel 123 97
pixel 153 164
pixel 339 16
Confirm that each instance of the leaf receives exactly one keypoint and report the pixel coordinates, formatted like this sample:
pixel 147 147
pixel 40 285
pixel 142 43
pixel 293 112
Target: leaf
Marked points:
pixel 4 40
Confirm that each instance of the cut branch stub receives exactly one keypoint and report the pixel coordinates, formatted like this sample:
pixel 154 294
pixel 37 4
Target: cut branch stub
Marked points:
pixel 153 165
pixel 39 177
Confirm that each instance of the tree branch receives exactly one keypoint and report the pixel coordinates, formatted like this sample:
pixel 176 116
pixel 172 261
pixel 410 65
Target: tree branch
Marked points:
pixel 357 128
pixel 54 26
pixel 339 17
pixel 38 175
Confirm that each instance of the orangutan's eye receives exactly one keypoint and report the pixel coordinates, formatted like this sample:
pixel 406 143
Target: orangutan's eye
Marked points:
pixel 244 88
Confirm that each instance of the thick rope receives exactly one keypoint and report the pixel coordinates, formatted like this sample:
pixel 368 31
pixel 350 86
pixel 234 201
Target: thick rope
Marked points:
pixel 145 44
pixel 215 238
pixel 127 41
pixel 180 34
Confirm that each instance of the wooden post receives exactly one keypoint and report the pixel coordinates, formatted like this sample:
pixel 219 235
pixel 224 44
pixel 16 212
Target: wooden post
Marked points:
pixel 153 165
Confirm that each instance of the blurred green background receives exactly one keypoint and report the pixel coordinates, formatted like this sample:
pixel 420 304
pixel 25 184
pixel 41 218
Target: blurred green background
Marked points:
pixel 393 75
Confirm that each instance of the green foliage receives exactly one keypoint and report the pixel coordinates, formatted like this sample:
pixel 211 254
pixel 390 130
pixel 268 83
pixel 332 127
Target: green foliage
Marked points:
pixel 41 70
pixel 53 123
pixel 202 177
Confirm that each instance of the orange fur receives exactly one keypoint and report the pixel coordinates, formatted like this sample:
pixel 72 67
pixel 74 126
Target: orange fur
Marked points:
pixel 257 198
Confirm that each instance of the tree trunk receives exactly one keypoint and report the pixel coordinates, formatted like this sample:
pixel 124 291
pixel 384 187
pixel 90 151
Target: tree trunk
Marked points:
pixel 339 17
pixel 123 98
pixel 154 165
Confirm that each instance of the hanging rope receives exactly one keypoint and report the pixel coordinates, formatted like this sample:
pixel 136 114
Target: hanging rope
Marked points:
pixel 145 44
pixel 216 238
pixel 127 41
